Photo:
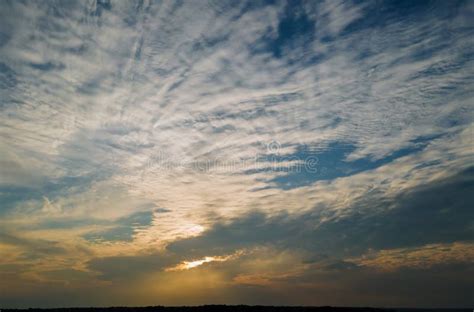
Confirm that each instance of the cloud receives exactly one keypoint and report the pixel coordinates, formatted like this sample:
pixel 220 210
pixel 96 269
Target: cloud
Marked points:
pixel 33 247
pixel 371 222
pixel 128 267
pixel 138 133
pixel 124 228
pixel 422 257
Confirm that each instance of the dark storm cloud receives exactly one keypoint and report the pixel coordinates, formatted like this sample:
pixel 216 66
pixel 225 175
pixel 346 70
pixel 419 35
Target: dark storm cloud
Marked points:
pixel 32 248
pixel 436 213
pixel 126 268
pixel 408 287
pixel 123 228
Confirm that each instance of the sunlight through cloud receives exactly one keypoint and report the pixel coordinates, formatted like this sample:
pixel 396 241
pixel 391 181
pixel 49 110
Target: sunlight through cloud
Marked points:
pixel 187 265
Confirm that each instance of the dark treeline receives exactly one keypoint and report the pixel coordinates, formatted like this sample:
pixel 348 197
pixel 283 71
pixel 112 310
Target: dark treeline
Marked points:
pixel 206 308
pixel 225 308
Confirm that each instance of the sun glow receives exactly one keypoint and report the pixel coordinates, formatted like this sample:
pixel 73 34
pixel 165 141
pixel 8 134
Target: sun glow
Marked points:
pixel 186 265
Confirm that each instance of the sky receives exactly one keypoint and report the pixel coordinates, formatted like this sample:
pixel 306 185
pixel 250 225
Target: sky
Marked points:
pixel 236 152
